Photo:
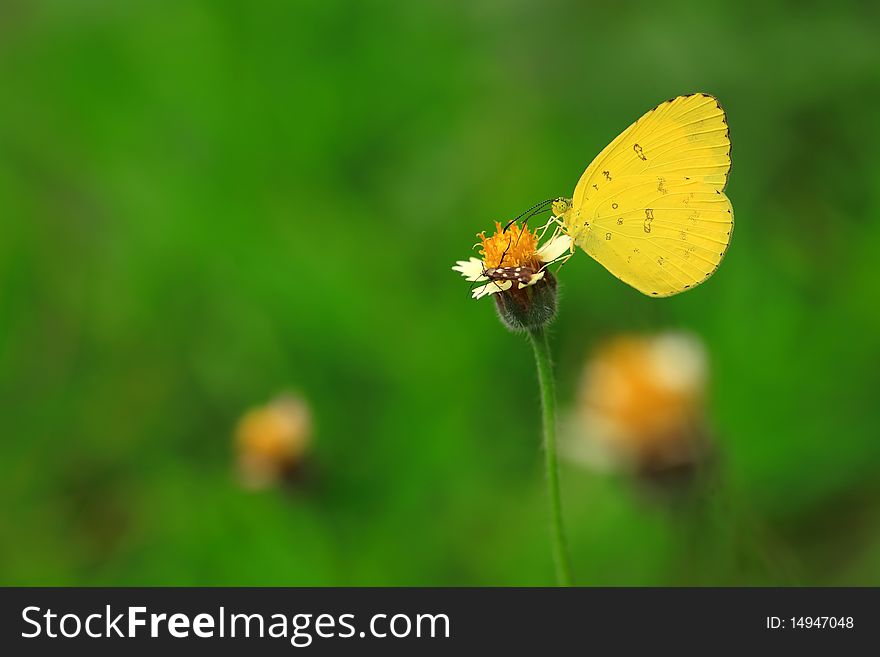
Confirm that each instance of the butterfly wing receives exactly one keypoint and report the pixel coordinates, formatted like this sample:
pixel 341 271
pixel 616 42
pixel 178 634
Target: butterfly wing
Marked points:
pixel 651 207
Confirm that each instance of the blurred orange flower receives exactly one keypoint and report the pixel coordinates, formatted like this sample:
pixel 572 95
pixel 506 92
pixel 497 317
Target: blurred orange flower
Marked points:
pixel 641 404
pixel 271 441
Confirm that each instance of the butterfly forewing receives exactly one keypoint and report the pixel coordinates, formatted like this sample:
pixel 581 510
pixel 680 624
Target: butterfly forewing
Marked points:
pixel 651 207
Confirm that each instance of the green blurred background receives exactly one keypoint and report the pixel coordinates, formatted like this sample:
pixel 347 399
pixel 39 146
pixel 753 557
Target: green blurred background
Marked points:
pixel 206 203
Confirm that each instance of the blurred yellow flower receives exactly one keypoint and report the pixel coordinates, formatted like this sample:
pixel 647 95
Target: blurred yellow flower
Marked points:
pixel 641 404
pixel 271 441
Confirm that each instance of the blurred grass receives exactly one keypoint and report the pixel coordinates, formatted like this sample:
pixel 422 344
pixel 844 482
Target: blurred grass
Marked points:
pixel 207 202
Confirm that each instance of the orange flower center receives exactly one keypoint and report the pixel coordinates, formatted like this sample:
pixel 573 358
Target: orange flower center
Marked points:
pixel 515 247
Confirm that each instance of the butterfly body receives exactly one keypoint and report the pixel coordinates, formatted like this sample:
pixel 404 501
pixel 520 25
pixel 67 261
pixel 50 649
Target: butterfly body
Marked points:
pixel 651 207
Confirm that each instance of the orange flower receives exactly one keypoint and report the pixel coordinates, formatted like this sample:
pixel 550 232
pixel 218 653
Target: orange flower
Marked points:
pixel 641 403
pixel 272 440
pixel 511 257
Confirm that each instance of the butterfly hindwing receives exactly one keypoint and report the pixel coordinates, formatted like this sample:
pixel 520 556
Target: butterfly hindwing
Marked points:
pixel 660 242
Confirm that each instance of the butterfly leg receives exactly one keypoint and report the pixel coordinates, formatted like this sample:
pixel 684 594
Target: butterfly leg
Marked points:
pixel 552 221
pixel 561 260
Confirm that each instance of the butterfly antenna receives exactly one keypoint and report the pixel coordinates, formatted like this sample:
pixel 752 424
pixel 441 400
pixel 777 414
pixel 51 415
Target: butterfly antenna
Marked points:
pixel 504 255
pixel 531 214
pixel 535 209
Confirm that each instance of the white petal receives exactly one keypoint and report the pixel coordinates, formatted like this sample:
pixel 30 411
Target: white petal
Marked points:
pixel 491 288
pixel 471 269
pixel 554 248
pixel 480 292
pixel 534 279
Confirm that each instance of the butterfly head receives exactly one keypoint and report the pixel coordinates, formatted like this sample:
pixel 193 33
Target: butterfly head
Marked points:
pixel 561 206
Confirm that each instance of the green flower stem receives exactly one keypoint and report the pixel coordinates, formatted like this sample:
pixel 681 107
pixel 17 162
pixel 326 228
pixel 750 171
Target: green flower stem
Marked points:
pixel 548 403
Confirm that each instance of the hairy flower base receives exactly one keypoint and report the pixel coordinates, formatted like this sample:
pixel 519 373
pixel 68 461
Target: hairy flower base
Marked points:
pixel 529 307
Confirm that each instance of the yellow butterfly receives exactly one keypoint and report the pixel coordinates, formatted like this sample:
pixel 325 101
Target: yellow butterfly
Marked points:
pixel 651 207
